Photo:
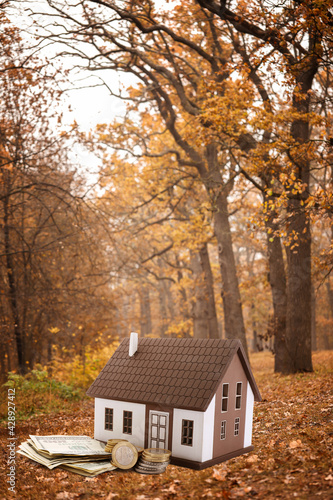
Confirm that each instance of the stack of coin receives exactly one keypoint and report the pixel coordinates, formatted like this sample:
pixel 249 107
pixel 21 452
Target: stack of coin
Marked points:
pixel 124 455
pixel 153 461
pixel 111 444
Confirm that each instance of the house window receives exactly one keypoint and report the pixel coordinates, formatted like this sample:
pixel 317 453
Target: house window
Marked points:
pixel 237 426
pixel 109 419
pixel 225 394
pixel 187 432
pixel 238 395
pixel 127 422
pixel 223 429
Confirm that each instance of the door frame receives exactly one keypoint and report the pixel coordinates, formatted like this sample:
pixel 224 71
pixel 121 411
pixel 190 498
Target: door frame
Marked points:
pixel 163 414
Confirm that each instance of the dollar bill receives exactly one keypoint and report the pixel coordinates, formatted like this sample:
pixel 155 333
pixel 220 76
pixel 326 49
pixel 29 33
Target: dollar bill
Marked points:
pixel 29 451
pixel 89 469
pixel 83 456
pixel 53 446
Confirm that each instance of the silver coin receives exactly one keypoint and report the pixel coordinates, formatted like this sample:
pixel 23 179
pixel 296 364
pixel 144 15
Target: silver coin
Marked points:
pixel 159 464
pixel 147 467
pixel 140 471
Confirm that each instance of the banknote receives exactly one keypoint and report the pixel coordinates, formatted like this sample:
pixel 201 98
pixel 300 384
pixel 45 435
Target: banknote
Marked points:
pixel 53 446
pixel 89 469
pixel 87 465
pixel 29 451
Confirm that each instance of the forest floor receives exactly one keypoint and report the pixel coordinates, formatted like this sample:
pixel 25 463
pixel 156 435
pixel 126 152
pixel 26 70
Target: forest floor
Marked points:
pixel 292 457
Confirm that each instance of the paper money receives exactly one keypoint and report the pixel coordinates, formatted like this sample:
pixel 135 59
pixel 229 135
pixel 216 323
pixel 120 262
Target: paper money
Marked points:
pixel 90 469
pixel 29 451
pixel 79 454
pixel 53 446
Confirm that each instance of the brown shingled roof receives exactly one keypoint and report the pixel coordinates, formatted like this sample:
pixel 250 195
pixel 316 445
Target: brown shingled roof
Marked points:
pixel 182 373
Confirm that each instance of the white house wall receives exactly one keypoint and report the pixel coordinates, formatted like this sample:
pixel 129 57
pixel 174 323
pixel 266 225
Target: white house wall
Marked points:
pixel 203 428
pixel 248 416
pixel 208 431
pixel 138 421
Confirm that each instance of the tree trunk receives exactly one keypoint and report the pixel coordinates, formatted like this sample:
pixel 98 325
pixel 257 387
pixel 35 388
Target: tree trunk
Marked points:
pixel 145 311
pixel 204 310
pixel 298 327
pixel 313 320
pixel 163 325
pixel 170 301
pixel 232 306
pixel 329 296
pixel 277 281
pixel 213 330
pixel 199 301
pixel 328 333
pixel 13 292
pixel 299 300
pixel 255 346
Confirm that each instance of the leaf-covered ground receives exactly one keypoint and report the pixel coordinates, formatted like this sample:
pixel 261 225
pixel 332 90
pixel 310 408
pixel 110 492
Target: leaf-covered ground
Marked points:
pixel 292 436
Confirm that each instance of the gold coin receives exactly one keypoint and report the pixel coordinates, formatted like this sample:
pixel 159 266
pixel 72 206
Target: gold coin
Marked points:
pixel 124 455
pixel 155 458
pixel 111 444
pixel 158 451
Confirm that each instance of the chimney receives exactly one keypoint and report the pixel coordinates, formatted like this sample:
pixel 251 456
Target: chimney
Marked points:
pixel 133 343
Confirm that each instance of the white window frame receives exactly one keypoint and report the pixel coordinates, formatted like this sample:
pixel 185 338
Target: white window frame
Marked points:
pixel 224 399
pixel 239 395
pixel 237 425
pixel 223 433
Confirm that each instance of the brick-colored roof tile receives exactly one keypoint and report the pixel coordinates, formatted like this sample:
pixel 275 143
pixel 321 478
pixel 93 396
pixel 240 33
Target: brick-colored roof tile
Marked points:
pixel 169 371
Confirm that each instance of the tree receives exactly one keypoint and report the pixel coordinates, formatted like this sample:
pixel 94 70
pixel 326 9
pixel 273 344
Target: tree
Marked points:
pixel 169 67
pixel 153 208
pixel 297 37
pixel 46 241
pixel 218 69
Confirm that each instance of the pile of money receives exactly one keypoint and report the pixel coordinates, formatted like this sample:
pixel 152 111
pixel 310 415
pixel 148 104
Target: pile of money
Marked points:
pixel 89 457
pixel 153 461
pixel 80 454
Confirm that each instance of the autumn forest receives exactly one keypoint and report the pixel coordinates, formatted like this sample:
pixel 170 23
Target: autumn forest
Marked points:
pixel 210 211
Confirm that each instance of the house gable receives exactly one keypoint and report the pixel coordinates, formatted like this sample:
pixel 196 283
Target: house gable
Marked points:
pixel 226 411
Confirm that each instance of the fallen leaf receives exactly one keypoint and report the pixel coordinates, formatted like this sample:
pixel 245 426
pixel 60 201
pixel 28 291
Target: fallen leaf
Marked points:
pixel 220 474
pixel 295 444
pixel 61 475
pixel 207 494
pixel 65 495
pixel 172 489
pixel 42 478
pixel 240 492
pixel 252 459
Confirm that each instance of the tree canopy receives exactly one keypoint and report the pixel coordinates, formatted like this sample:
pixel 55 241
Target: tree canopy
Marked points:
pixel 214 187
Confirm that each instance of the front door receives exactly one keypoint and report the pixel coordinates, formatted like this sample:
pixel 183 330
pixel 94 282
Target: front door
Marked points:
pixel 158 429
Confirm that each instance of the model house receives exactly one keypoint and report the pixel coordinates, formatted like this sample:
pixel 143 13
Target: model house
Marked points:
pixel 192 396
